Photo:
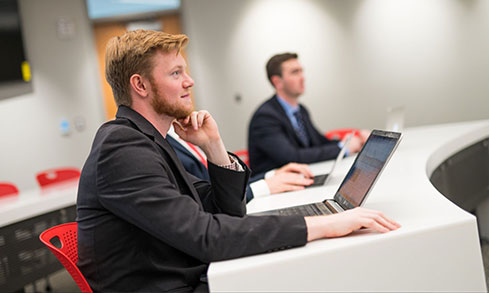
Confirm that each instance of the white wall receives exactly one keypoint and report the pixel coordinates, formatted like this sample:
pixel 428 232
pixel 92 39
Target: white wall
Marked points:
pixel 360 57
pixel 65 86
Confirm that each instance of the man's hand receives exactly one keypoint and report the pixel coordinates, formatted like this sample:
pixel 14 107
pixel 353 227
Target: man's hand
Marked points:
pixel 358 140
pixel 287 181
pixel 364 134
pixel 200 128
pixel 296 168
pixel 355 144
pixel 344 223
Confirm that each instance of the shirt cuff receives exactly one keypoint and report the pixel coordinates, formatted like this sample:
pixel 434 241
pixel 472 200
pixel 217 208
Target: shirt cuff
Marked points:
pixel 234 166
pixel 260 188
pixel 340 145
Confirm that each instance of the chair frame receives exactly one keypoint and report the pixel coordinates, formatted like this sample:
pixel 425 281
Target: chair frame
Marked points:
pixel 68 253
pixel 50 177
pixel 8 189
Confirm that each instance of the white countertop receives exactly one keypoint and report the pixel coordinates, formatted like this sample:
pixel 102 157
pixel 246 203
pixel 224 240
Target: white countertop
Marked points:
pixel 437 247
pixel 36 202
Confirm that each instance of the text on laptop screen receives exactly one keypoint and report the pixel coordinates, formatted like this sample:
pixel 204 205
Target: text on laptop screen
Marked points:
pixel 367 166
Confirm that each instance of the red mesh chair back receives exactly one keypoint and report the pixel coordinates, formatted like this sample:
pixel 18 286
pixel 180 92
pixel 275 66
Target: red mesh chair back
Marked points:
pixel 243 155
pixel 8 189
pixel 55 176
pixel 68 253
pixel 340 134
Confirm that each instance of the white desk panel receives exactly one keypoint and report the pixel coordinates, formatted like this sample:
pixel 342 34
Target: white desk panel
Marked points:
pixel 436 249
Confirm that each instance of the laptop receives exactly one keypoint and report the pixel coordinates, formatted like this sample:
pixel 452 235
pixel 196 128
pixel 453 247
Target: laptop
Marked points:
pixel 323 179
pixel 395 119
pixel 359 180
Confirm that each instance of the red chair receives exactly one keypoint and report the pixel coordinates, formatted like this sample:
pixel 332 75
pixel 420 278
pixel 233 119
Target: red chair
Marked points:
pixel 68 253
pixel 7 188
pixel 55 176
pixel 339 134
pixel 243 155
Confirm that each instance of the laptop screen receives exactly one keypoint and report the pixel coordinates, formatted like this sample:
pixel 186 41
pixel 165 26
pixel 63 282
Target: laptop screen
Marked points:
pixel 366 168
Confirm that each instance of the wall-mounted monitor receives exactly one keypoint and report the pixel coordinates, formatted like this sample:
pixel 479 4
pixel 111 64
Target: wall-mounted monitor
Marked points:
pixel 15 73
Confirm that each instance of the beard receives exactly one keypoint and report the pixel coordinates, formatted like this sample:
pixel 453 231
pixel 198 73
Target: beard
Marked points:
pixel 161 105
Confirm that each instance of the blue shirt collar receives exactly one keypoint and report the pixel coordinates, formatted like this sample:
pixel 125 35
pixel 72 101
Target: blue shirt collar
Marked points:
pixel 289 110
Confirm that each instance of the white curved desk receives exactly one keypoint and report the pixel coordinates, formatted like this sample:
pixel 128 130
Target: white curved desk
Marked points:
pixel 436 249
pixel 35 202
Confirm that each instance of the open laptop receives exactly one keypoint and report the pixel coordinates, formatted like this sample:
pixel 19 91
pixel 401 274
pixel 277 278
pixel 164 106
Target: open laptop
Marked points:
pixel 395 119
pixel 359 180
pixel 323 179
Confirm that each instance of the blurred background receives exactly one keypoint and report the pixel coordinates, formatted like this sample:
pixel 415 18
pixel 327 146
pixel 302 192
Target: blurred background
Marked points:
pixel 360 58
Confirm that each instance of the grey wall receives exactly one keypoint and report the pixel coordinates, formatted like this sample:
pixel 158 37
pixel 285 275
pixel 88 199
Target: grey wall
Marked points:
pixel 65 86
pixel 360 57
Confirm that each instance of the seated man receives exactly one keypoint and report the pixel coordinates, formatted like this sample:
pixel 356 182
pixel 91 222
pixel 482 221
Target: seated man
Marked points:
pixel 290 177
pixel 144 223
pixel 281 131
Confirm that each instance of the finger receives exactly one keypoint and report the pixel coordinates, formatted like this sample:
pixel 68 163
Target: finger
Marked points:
pixel 178 127
pixel 183 122
pixel 306 171
pixel 391 222
pixel 377 227
pixel 380 217
pixel 298 180
pixel 292 187
pixel 194 120
pixel 200 118
pixel 186 120
pixel 300 168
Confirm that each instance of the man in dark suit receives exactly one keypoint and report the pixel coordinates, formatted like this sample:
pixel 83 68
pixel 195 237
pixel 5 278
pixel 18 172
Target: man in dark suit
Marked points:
pixel 290 177
pixel 281 129
pixel 144 223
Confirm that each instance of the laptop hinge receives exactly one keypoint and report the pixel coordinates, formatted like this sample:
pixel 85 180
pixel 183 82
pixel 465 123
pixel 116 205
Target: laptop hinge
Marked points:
pixel 333 206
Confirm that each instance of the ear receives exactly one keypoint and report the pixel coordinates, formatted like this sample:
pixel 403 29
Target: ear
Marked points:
pixel 140 85
pixel 276 81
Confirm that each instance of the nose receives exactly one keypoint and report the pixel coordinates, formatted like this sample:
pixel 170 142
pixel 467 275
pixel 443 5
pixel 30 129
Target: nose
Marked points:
pixel 188 82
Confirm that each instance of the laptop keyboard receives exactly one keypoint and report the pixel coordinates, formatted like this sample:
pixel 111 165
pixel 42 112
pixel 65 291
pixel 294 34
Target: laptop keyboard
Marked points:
pixel 305 210
pixel 318 180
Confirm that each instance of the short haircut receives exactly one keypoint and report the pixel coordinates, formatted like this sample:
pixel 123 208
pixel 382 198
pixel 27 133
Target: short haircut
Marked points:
pixel 132 53
pixel 274 65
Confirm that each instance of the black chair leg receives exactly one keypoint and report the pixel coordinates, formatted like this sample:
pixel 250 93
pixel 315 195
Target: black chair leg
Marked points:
pixel 49 288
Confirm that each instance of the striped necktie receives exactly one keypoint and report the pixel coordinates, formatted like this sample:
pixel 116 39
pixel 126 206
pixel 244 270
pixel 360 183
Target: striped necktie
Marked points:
pixel 301 129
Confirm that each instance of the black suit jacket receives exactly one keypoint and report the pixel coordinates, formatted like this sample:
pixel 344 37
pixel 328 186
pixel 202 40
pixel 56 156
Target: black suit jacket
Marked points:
pixel 145 224
pixel 273 142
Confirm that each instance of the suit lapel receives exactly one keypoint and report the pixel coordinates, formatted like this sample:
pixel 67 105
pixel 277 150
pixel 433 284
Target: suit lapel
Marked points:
pixel 169 150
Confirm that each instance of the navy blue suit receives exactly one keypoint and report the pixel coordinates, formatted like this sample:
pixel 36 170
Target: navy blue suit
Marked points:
pixel 196 168
pixel 273 142
pixel 191 164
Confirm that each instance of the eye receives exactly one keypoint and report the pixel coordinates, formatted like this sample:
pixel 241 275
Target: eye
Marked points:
pixel 175 73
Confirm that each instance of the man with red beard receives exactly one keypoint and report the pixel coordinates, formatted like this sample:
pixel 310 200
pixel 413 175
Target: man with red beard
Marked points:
pixel 144 223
